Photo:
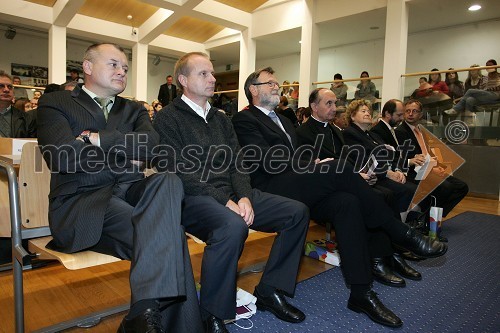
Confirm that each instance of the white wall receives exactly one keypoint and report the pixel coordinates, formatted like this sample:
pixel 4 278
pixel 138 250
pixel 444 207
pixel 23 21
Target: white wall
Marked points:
pixel 32 49
pixel 455 47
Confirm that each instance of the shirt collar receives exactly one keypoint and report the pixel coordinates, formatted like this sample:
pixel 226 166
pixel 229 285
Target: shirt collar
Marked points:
pixel 266 111
pixel 202 112
pixel 319 121
pixel 412 127
pixel 93 96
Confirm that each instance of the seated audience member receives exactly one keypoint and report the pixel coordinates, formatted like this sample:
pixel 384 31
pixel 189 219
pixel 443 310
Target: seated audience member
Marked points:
pixel 19 92
pixel 14 123
pixel 475 79
pixel 436 85
pixel 34 103
pixel 452 190
pixel 366 88
pixel 286 111
pixel 455 86
pixel 70 85
pixel 293 100
pixel 93 141
pixel 37 94
pixel 305 113
pixel 343 198
pixel 339 120
pixel 389 176
pixel 340 90
pixel 489 95
pixel 75 76
pixel 331 141
pixel 20 104
pixel 220 205
pixel 286 90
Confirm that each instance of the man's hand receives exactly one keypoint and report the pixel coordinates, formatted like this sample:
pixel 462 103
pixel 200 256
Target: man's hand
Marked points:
pixel 419 159
pixel 440 171
pixel 396 176
pixel 246 211
pixel 371 180
pixel 328 159
pixel 233 206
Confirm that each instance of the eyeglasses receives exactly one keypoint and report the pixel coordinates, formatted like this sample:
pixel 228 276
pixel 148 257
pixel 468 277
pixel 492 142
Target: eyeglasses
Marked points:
pixel 271 84
pixel 8 86
pixel 410 111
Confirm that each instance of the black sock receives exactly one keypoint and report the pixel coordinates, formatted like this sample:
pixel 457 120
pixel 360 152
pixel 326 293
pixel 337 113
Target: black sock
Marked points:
pixel 140 306
pixel 396 229
pixel 359 290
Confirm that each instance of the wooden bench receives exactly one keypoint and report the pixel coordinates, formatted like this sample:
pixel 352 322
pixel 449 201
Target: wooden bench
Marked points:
pixel 28 200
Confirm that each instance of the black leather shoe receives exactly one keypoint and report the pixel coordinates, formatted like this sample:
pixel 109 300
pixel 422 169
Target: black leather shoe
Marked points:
pixel 382 272
pixel 147 322
pixel 423 246
pixel 407 255
pixel 402 268
pixel 214 325
pixel 277 305
pixel 373 308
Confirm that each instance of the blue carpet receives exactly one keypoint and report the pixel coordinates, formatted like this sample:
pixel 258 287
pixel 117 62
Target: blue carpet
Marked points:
pixel 459 292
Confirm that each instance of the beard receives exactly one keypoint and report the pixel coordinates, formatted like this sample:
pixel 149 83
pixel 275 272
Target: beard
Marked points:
pixel 392 122
pixel 270 102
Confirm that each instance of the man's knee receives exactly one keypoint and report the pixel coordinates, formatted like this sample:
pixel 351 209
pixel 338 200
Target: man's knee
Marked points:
pixel 233 231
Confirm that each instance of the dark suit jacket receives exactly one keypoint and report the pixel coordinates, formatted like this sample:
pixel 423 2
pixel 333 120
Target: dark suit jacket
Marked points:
pixel 308 132
pixel 164 93
pixel 22 125
pixel 83 176
pixel 384 133
pixel 372 144
pixel 404 133
pixel 254 128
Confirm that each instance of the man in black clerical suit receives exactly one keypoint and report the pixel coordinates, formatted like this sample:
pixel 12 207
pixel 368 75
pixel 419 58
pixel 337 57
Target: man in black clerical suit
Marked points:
pixel 451 190
pixel 220 205
pixel 342 197
pixel 322 102
pixel 94 143
pixel 167 92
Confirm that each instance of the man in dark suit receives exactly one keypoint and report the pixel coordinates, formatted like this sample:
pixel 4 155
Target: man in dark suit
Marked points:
pixel 331 190
pixel 385 262
pixel 220 204
pixel 451 189
pixel 392 115
pixel 14 123
pixel 167 92
pixel 94 142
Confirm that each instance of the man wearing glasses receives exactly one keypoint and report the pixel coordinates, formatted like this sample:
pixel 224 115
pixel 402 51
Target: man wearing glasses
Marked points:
pixel 451 190
pixel 199 143
pixel 331 189
pixel 14 123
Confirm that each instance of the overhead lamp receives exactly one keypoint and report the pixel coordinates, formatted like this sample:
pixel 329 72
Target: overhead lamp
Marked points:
pixel 473 8
pixel 10 33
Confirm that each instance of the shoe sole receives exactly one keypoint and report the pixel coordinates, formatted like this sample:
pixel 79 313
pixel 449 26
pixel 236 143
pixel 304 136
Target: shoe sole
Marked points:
pixel 262 307
pixel 360 310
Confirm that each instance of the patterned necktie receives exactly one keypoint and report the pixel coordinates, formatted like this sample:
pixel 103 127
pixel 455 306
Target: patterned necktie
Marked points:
pixel 104 102
pixel 274 117
pixel 394 136
pixel 420 140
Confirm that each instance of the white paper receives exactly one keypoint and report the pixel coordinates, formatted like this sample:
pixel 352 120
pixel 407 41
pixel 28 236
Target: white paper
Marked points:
pixel 370 166
pixel 17 145
pixel 424 169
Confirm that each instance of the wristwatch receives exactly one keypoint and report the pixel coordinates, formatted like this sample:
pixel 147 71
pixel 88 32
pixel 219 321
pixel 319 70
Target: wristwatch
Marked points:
pixel 85 136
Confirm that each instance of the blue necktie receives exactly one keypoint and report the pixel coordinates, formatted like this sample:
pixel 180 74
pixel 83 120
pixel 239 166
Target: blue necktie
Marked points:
pixel 274 117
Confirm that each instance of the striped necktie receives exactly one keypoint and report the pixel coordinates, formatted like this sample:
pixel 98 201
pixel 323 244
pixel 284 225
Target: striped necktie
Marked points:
pixel 274 117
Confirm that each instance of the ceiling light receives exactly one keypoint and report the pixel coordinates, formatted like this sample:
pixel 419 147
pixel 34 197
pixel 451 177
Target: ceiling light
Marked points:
pixel 374 28
pixel 300 42
pixel 473 8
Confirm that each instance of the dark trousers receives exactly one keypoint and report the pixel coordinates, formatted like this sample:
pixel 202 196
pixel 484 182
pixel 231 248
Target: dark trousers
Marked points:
pixel 225 233
pixel 345 199
pixel 142 223
pixel 448 194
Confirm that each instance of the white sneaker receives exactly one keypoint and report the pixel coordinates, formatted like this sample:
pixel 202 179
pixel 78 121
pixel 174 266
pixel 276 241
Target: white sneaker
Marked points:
pixel 450 111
